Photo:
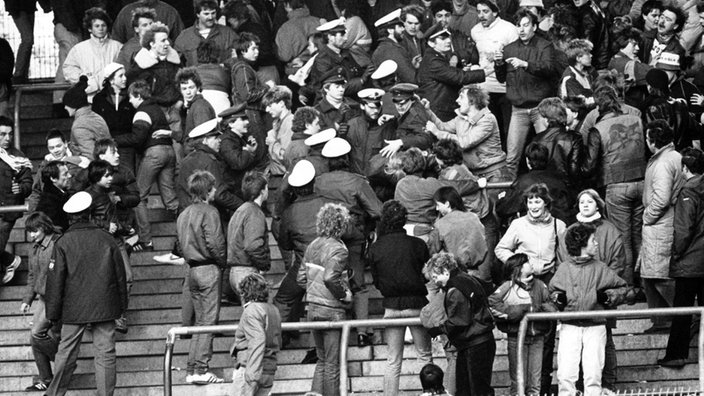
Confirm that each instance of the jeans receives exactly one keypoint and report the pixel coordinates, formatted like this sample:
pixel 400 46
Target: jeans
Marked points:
pixel 610 371
pixel 686 290
pixel 360 298
pixel 204 282
pixel 25 25
pixel 105 358
pixel 158 164
pixel 450 381
pixel 244 388
pixel 491 270
pixel 474 368
pixel 624 206
pixel 66 40
pixel 326 378
pixel 659 293
pixel 5 257
pixel 501 108
pixel 519 127
pixel 585 343
pixel 532 363
pixel 289 297
pixel 44 342
pixel 394 339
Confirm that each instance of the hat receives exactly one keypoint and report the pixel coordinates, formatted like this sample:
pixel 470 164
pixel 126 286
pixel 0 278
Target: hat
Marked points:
pixel 110 69
pixel 336 147
pixel 385 69
pixel 320 137
pixel 371 95
pixel 303 172
pixel 78 202
pixel 658 79
pixel 237 110
pixel 337 75
pixel 531 3
pixel 336 25
pixel 668 61
pixel 430 35
pixel 389 20
pixel 76 95
pixel 208 128
pixel 402 91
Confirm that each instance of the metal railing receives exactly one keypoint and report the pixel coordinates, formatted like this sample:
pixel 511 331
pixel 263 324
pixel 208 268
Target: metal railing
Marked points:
pixel 21 89
pixel 344 325
pixel 14 208
pixel 613 314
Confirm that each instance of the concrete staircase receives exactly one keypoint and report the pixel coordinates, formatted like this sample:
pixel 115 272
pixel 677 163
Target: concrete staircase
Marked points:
pixel 155 307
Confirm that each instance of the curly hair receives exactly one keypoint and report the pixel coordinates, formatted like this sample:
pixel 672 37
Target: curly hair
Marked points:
pixel 538 190
pixel 413 161
pixel 577 236
pixel 393 216
pixel 448 151
pixel 142 12
pixel 254 288
pixel 607 101
pixel 659 133
pixel 680 16
pixel 140 88
pixel 304 115
pixel 332 220
pixel 94 13
pixel 206 53
pixel 439 263
pixel 189 73
pixel 277 94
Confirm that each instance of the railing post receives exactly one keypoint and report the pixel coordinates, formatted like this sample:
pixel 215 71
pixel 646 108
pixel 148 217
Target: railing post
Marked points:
pixel 344 339
pixel 700 350
pixel 16 129
pixel 167 365
pixel 520 376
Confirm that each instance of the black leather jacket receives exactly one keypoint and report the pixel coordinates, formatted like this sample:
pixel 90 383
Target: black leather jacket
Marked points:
pixel 566 151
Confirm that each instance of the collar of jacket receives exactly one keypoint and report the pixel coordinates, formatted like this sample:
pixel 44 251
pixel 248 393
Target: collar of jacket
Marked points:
pixel 214 31
pixel 326 106
pixel 206 149
pixel 44 243
pixel 189 104
pixel 475 119
pixel 145 59
pixel 299 13
pixel 82 111
pixel 82 225
pixel 668 147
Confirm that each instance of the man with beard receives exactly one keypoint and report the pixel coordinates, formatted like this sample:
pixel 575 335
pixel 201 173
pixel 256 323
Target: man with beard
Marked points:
pixel 365 135
pixel 206 28
pixel 390 47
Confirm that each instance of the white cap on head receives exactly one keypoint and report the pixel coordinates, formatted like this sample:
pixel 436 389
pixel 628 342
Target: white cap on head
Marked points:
pixel 204 129
pixel 335 24
pixel 388 19
pixel 78 202
pixel 111 68
pixel 303 172
pixel 385 69
pixel 320 137
pixel 336 147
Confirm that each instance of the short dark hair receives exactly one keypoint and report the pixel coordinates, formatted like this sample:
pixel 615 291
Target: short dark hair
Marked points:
pixel 440 262
pixel 476 96
pixel 189 73
pixel 142 12
pixel 694 160
pixel 553 110
pixel 393 216
pixel 415 10
pixel 431 379
pixel 440 5
pixel 659 133
pixel 102 146
pixel 304 115
pixel 206 52
pixel 679 15
pixel 53 134
pixel 94 13
pixel 199 185
pixel 237 10
pixel 626 36
pixel 6 121
pixel 36 221
pixel 148 38
pixel 514 264
pixel 254 288
pixel 339 163
pixel 700 7
pixel 140 88
pixel 200 5
pixel 575 103
pixel 277 94
pixel 51 170
pixel 97 169
pixel 449 194
pixel 245 41
pixel 577 237
pixel 295 4
pixel 525 13
pixel 413 161
pixel 448 151
pixel 538 156
pixel 538 190
pixel 490 4
pixel 607 100
pixel 253 183
pixel 651 5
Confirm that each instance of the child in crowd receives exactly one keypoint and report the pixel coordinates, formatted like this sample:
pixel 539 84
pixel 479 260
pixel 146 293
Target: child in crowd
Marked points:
pixel 431 378
pixel 521 294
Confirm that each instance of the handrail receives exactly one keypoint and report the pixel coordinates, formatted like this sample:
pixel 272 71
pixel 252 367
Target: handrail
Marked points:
pixel 14 208
pixel 344 325
pixel 506 184
pixel 19 90
pixel 630 313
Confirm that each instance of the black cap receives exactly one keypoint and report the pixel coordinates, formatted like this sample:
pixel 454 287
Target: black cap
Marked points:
pixel 403 91
pixel 336 75
pixel 237 110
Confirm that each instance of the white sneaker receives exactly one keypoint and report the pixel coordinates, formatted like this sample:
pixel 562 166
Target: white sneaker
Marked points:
pixel 169 258
pixel 204 379
pixel 10 270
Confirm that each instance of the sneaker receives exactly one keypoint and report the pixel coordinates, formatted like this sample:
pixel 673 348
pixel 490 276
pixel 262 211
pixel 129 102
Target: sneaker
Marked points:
pixel 143 247
pixel 10 270
pixel 311 357
pixel 121 325
pixel 169 258
pixel 672 363
pixel 204 379
pixel 37 386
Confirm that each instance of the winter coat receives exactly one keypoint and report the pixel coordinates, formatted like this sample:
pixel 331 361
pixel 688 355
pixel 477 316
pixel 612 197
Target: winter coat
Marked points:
pixel 324 273
pixel 195 113
pixel 117 112
pixel 333 117
pixel 127 53
pixel 673 46
pixel 511 301
pixel 566 151
pixel 39 260
pixel 148 119
pixel 576 83
pixel 159 74
pixel 440 83
pixel 416 195
pixel 410 128
pixel 663 181
pixel 51 202
pixel 366 137
pixel 396 261
pixel 200 235
pixel 676 112
pixel 594 28
pixel 525 88
pixel 248 238
pixel 23 177
pixel 246 86
pixel 292 36
pixel 610 250
pixel 89 58
pixel 389 49
pixel 222 39
pixel 87 128
pixel 562 197
pixel 688 241
pixel 86 285
pixel 257 340
pixel 478 202
pixel 238 160
pixel 280 133
pixel 298 224
pixel 538 240
pixel 462 234
pixel 328 60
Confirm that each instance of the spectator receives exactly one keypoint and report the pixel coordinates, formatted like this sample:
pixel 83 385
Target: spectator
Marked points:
pixel 431 379
pixel 412 38
pixel 328 293
pixel 158 158
pixel 206 28
pixel 94 279
pixel 292 36
pixel 577 77
pixel 390 47
pixel 648 17
pixel 593 26
pixel 257 339
pixel 335 109
pixel 205 252
pixel 7 64
pixel 54 194
pixel 464 17
pixel 216 80
pixel 663 181
pixel 685 266
pixel 22 13
pixel 660 105
pixel 142 20
pixel 469 324
pixel 88 127
pixel 68 31
pixel 526 62
pixel 164 13
pixel 113 105
pixel 438 80
pixel 196 110
pixel 358 39
pixel 582 283
pixel 44 338
pixel 247 234
pixel 626 62
pixel 681 89
pixel 492 34
pixel 521 294
pixel 666 37
pixel 90 57
pixel 277 103
pixel 396 261
pixel 305 123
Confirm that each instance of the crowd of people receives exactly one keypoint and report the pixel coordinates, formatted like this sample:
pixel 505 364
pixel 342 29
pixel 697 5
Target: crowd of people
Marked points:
pixel 373 134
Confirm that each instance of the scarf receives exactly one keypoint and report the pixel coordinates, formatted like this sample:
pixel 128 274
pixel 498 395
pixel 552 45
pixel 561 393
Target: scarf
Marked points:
pixel 583 219
pixel 544 219
pixel 15 162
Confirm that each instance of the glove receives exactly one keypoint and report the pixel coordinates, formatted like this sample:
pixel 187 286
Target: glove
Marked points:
pixel 602 298
pixel 342 130
pixel 559 298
